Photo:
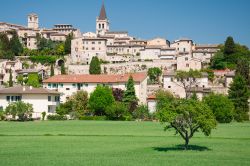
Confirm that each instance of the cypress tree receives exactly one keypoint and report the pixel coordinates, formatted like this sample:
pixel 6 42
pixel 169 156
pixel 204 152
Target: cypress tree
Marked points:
pixel 11 79
pixel 95 66
pixel 239 94
pixel 67 47
pixel 52 72
pixel 63 69
pixel 242 69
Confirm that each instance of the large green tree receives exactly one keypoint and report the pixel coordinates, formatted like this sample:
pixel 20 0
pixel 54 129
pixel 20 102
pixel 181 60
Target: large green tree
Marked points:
pixel 229 46
pixel 186 117
pixel 95 66
pixel 20 109
pixel 15 44
pixel 129 95
pixel 242 69
pixel 239 94
pixel 63 71
pixel 100 99
pixel 222 107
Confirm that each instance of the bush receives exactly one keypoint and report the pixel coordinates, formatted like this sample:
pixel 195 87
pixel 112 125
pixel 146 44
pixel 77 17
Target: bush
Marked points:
pixel 56 117
pixel 117 111
pixel 141 112
pixel 222 107
pixel 2 115
pixel 99 118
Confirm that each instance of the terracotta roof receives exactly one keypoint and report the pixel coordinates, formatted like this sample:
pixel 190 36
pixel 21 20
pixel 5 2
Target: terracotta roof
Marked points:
pixel 151 97
pixel 26 90
pixel 103 15
pixel 85 78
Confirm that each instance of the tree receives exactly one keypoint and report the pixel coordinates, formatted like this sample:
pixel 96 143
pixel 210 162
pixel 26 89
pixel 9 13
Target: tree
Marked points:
pixel 20 79
pixel 163 98
pixel 79 102
pixel 20 109
pixel 10 79
pixel 52 70
pixel 15 44
pixel 118 94
pixel 154 74
pixel 63 69
pixel 117 111
pixel 95 66
pixel 100 99
pixel 222 107
pixel 67 45
pixel 187 117
pixel 141 112
pixel 60 50
pixel 4 42
pixel 187 80
pixel 239 95
pixel 229 46
pixel 218 62
pixel 129 95
pixel 33 80
pixel 242 69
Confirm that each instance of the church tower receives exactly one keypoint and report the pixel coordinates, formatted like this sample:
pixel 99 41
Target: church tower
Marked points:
pixel 33 21
pixel 102 22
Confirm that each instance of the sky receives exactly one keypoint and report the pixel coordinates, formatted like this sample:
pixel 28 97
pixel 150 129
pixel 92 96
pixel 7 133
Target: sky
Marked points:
pixel 203 21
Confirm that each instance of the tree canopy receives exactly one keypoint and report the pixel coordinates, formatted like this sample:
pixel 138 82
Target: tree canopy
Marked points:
pixel 222 107
pixel 129 95
pixel 95 66
pixel 20 109
pixel 239 94
pixel 100 99
pixel 154 74
pixel 187 116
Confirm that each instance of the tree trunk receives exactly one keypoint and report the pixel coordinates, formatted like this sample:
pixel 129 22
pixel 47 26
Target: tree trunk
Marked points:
pixel 186 143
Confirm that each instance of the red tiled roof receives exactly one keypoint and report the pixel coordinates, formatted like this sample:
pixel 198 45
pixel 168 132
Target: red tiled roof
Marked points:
pixel 151 97
pixel 85 78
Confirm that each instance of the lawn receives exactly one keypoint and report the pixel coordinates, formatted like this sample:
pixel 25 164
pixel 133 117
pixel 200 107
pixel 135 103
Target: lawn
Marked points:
pixel 118 143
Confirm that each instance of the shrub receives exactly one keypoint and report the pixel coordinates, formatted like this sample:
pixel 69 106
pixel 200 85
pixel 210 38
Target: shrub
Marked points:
pixel 43 115
pixel 221 106
pixel 141 112
pixel 117 111
pixel 20 109
pixel 56 117
pixel 99 118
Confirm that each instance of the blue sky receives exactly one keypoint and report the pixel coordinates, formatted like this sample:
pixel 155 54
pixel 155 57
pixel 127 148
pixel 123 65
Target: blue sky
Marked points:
pixel 204 21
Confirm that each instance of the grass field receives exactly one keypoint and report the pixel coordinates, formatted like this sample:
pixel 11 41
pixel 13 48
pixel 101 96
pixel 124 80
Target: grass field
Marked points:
pixel 118 143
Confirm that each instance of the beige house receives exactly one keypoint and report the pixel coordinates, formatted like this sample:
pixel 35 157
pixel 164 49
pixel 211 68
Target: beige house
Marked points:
pixel 69 84
pixel 172 84
pixel 6 66
pixel 42 100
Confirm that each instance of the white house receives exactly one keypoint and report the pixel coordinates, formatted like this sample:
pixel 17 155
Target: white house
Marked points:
pixel 172 84
pixel 69 84
pixel 42 100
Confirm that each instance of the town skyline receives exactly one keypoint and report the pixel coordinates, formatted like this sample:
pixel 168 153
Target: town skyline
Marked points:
pixel 140 25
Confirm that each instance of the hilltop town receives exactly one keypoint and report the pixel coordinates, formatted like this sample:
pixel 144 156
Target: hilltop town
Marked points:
pixel 55 63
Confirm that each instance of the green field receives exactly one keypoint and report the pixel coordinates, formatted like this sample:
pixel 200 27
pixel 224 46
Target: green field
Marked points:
pixel 118 143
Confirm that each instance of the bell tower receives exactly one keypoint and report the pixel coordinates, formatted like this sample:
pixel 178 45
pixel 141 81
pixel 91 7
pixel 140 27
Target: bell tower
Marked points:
pixel 33 21
pixel 102 22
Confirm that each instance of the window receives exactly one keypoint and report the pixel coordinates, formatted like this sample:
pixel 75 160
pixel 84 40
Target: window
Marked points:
pixel 99 26
pixel 67 89
pixel 169 87
pixel 57 98
pixel 61 85
pixel 50 109
pixel 86 85
pixel 102 26
pixel 8 98
pixel 93 48
pixel 49 98
pixel 74 85
pixel 49 85
pixel 99 42
pixel 187 65
pixel 93 42
pixel 186 59
pixel 55 85
pixel 12 98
